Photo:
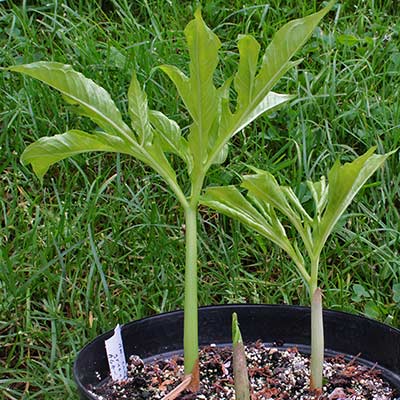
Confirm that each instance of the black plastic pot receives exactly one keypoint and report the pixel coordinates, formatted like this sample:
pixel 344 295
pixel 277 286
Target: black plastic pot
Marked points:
pixel 344 333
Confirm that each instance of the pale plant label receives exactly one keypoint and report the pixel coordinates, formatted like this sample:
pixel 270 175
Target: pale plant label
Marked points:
pixel 116 356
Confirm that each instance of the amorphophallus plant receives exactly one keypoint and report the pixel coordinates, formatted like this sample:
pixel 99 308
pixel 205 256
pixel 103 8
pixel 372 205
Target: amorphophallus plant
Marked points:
pixel 269 208
pixel 214 119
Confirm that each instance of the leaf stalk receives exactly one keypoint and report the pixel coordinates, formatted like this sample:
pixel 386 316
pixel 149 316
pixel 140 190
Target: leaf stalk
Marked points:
pixel 317 340
pixel 190 341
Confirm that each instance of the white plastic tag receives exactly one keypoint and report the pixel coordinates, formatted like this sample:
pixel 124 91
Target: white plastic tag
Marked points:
pixel 116 356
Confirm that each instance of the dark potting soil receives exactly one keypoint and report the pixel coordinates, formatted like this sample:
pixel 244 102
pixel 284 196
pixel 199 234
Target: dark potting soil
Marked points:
pixel 274 374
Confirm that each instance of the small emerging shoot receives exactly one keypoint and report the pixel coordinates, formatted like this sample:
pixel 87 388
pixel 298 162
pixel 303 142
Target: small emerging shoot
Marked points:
pixel 240 372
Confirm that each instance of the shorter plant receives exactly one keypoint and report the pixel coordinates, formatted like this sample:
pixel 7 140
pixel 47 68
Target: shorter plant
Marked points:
pixel 269 208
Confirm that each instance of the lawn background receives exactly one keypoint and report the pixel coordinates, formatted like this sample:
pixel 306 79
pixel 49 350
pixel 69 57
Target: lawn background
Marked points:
pixel 101 241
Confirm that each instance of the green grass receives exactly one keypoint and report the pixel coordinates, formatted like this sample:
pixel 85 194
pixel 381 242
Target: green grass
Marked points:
pixel 101 241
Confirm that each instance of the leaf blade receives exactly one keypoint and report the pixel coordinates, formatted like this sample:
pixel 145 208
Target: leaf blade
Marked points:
pixel 198 91
pixel 249 50
pixel 269 103
pixel 93 100
pixel 264 186
pixel 138 111
pixel 169 134
pixel 285 44
pixel 229 201
pixel 345 181
pixel 255 98
pixel 48 150
pixel 203 47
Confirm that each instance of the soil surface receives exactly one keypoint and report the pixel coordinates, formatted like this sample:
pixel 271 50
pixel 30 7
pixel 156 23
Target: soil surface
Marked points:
pixel 274 374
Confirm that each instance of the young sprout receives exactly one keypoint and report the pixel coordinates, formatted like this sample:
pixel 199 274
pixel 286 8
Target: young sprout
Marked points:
pixel 151 136
pixel 240 372
pixel 269 208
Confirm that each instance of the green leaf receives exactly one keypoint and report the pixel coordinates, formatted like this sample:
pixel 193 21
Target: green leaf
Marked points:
pixel 169 134
pixel 233 123
pixel 229 201
pixel 225 114
pixel 319 192
pixel 93 101
pixel 345 181
pixel 203 47
pixel 182 83
pixel 251 102
pixel 154 157
pixel 213 122
pixel 222 155
pixel 295 202
pixel 138 111
pixel 151 150
pixel 244 79
pixel 269 103
pixel 254 92
pixel 198 92
pixel 264 186
pixel 285 44
pixel 49 150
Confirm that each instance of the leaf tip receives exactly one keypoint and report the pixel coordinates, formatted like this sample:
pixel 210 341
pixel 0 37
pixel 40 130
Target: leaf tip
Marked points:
pixel 24 158
pixel 197 13
pixel 38 169
pixel 236 335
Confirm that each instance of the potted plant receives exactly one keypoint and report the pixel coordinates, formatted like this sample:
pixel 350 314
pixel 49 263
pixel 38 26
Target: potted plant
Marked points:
pixel 152 136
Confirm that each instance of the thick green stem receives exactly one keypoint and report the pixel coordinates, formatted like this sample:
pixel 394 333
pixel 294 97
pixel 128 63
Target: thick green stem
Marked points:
pixel 317 340
pixel 190 306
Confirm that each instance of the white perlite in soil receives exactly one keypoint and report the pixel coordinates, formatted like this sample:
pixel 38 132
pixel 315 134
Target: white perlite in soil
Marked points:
pixel 274 374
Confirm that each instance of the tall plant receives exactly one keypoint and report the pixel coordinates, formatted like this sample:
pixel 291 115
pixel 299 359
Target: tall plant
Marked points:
pixel 269 208
pixel 152 135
